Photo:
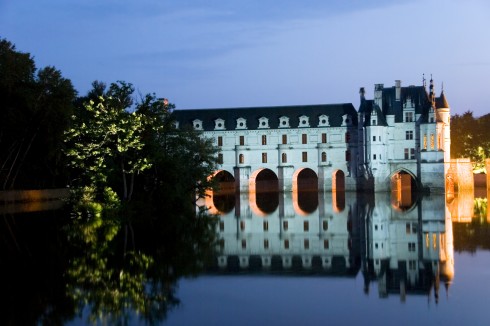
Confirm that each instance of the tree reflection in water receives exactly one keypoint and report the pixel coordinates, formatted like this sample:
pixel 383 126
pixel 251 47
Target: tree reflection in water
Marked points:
pixel 100 263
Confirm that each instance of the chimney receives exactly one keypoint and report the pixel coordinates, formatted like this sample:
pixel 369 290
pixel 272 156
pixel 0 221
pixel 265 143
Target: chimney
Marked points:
pixel 398 89
pixel 362 92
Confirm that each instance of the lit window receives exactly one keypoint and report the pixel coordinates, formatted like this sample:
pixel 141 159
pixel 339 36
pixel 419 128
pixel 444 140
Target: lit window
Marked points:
pixel 264 140
pixel 432 145
pixel 241 159
pixel 425 142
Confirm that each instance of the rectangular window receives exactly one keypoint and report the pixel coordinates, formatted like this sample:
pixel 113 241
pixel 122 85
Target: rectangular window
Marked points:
pixel 432 145
pixel 408 116
pixel 242 140
pixel 411 246
pixel 264 157
pixel 242 225
pixel 306 244
pixel 220 141
pixel 305 156
pixel 286 244
pixel 304 138
pixel 244 244
pixel 266 243
pixel 306 226
pixel 425 142
pixel 285 225
pixel 408 228
pixel 374 123
pixel 374 156
pixel 412 153
pixel 374 138
pixel 326 245
pixel 412 265
pixel 324 138
pixel 409 134
pixel 284 139
pixel 284 158
pixel 266 226
pixel 220 158
pixel 407 154
pixel 264 140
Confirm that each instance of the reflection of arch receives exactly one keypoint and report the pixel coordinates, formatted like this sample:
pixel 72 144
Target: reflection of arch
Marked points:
pixel 263 180
pixel 338 191
pixel 403 187
pixel 264 203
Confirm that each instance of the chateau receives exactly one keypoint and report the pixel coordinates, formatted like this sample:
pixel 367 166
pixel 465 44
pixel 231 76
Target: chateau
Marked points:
pixel 400 140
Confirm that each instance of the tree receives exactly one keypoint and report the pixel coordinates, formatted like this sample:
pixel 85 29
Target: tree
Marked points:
pixel 34 111
pixel 105 138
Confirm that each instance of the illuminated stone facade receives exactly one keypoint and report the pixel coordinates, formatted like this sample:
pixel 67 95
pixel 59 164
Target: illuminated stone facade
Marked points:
pixel 402 130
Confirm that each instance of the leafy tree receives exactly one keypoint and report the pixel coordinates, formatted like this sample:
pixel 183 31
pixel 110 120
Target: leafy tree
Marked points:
pixel 34 111
pixel 105 138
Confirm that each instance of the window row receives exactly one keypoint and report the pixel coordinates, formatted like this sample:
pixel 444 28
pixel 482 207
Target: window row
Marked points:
pixel 284 157
pixel 263 123
pixel 284 139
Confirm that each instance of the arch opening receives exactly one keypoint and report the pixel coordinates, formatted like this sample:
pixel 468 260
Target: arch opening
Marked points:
pixel 403 190
pixel 225 182
pixel 307 180
pixel 264 180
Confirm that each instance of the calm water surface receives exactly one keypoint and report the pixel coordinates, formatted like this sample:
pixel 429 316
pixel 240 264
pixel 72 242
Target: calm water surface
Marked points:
pixel 275 259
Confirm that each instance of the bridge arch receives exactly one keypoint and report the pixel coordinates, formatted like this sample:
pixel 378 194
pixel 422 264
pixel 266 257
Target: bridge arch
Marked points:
pixel 305 179
pixel 263 180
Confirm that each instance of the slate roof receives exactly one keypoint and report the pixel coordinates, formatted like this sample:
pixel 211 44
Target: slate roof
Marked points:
pixel 417 94
pixel 273 113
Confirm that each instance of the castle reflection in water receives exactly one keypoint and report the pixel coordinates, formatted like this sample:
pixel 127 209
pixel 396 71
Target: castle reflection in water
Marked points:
pixel 402 247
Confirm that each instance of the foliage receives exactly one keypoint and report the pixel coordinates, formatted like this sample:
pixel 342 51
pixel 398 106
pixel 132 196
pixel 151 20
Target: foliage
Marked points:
pixel 470 138
pixel 34 111
pixel 105 137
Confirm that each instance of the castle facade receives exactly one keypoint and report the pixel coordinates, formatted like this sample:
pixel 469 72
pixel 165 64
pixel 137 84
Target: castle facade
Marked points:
pixel 399 139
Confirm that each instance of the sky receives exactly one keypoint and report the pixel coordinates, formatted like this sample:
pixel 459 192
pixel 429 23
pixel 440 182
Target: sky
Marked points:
pixel 243 53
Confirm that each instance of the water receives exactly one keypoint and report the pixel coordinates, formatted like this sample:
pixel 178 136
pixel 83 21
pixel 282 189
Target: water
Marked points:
pixel 269 259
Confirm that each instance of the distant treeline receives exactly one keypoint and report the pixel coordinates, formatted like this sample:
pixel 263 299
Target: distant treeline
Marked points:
pixel 470 137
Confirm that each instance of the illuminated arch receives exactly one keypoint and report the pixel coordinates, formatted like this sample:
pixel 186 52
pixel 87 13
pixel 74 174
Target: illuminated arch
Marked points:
pixel 267 179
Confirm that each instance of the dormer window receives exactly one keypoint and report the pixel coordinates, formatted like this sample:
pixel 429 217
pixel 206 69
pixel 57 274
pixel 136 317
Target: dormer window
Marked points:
pixel 197 124
pixel 241 123
pixel 304 121
pixel 323 121
pixel 263 123
pixel 283 122
pixel 346 120
pixel 219 124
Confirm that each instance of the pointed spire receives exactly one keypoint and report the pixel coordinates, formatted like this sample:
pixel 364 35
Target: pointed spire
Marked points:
pixel 432 94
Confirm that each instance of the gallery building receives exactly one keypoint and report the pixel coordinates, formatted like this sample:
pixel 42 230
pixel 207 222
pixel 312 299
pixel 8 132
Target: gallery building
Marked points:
pixel 400 139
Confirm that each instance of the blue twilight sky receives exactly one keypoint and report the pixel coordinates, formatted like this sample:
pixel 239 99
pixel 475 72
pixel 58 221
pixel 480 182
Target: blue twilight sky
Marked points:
pixel 235 53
